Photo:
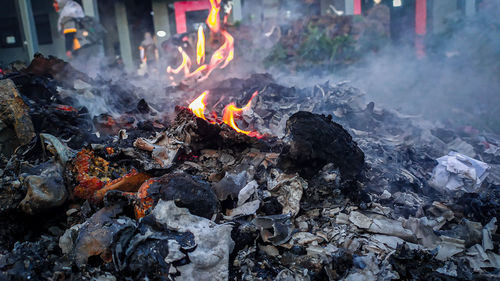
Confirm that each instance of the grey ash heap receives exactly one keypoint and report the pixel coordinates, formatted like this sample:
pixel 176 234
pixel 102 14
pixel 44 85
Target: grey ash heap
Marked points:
pixel 332 187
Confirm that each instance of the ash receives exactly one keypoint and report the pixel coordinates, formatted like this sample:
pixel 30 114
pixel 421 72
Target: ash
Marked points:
pixel 336 188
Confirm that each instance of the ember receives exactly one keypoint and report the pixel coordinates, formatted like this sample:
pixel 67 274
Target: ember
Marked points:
pixel 65 107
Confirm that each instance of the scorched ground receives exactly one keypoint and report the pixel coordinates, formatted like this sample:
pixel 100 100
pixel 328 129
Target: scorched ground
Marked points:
pixel 298 184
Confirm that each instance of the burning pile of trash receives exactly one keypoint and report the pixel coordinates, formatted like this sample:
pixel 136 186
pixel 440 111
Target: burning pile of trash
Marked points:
pixel 291 184
pixel 238 179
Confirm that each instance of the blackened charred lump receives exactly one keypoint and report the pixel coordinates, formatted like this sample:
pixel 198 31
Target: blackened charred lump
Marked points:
pixel 187 192
pixel 314 141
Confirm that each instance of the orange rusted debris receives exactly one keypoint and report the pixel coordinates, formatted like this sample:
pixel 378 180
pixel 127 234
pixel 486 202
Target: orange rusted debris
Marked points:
pixel 145 202
pixel 88 182
pixel 93 176
pixel 87 187
pixel 130 182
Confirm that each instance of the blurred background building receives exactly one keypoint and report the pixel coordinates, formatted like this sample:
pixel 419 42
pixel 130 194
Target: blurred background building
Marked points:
pixel 30 26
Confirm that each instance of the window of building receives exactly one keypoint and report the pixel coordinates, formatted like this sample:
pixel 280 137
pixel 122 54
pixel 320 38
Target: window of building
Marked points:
pixel 194 18
pixel 10 35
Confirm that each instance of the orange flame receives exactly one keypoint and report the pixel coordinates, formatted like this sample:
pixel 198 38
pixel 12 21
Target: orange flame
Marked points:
pixel 200 46
pixel 213 17
pixel 228 117
pixel 186 63
pixel 198 70
pixel 231 110
pixel 224 54
pixel 229 48
pixel 220 58
pixel 198 106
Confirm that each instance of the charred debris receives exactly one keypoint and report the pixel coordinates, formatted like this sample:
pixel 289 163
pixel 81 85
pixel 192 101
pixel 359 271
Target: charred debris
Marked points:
pixel 334 189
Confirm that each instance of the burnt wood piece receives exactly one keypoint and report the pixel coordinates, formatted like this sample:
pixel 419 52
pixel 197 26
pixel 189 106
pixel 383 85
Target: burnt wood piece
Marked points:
pixel 56 68
pixel 315 140
pixel 202 134
pixel 14 112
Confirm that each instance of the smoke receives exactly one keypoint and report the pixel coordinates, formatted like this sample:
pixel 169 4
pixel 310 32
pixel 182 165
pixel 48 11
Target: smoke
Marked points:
pixel 457 82
pixel 252 46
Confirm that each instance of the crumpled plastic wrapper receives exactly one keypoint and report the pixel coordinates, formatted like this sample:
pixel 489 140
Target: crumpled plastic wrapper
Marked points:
pixel 210 259
pixel 456 171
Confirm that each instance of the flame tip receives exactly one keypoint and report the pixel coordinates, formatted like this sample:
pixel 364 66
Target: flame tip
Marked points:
pixel 198 106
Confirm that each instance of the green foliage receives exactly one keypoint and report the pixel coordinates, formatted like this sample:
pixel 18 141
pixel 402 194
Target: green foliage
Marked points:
pixel 314 49
pixel 278 55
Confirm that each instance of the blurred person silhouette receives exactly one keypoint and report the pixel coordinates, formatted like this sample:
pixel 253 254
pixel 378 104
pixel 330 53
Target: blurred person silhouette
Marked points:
pixel 149 54
pixel 82 35
pixel 170 54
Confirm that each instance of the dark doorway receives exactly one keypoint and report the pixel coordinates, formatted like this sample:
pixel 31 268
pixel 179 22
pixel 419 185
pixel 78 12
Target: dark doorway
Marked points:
pixel 403 23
